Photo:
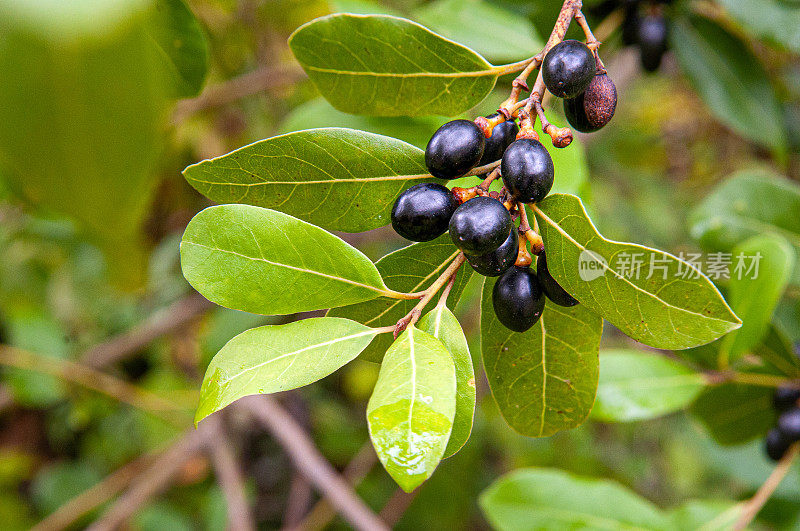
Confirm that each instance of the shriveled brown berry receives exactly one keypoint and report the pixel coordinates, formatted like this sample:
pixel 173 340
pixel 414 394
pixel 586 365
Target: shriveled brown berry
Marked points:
pixel 595 107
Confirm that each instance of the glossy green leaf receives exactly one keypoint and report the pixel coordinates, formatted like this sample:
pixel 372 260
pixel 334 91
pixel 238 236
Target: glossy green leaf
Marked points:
pixel 708 515
pixel 541 499
pixel 410 269
pixel 776 20
pixel 275 358
pixel 664 311
pixel 402 69
pixel 181 46
pixel 477 23
pixel 340 179
pixel 318 113
pixel 543 380
pixel 410 413
pixel 443 325
pixel 748 203
pixel 81 105
pixel 754 294
pixel 637 385
pixel 735 413
pixel 261 261
pixel 730 79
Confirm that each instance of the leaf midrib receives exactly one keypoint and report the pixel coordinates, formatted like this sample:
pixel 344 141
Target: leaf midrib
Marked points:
pixel 376 289
pixel 475 73
pixel 323 181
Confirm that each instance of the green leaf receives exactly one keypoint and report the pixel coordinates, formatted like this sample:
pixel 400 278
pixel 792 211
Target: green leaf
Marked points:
pixel 748 203
pixel 389 66
pixel 542 499
pixel 776 20
pixel 476 23
pixel 639 386
pixel 735 413
pixel 754 295
pixel 181 44
pixel 776 349
pixel 543 380
pixel 72 21
pixel 708 515
pixel 443 325
pixel 730 79
pixel 665 311
pixel 340 179
pixel 409 269
pixel 81 106
pixel 318 113
pixel 261 261
pixel 410 413
pixel 275 358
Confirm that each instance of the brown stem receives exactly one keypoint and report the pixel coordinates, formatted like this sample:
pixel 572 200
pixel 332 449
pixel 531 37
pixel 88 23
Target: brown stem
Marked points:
pixel 229 476
pixel 66 515
pixel 754 505
pixel 162 322
pixel 355 471
pixel 495 174
pixel 416 312
pixel 311 463
pixel 97 381
pixel 152 481
pixel 560 136
pixel 397 506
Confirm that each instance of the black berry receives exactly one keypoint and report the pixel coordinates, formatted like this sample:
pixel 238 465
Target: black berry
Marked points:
pixel 568 68
pixel 652 38
pixel 503 135
pixel 789 424
pixel 551 288
pixel 776 444
pixel 498 261
pixel 593 108
pixel 527 170
pixel 785 398
pixel 454 149
pixel 517 298
pixel 423 212
pixel 480 225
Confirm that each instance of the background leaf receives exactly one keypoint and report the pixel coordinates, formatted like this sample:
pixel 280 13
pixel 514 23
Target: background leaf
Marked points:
pixel 277 358
pixel 410 413
pixel 532 498
pixel 80 109
pixel 748 203
pixel 775 20
pixel 491 30
pixel 735 413
pixel 636 385
pixel 730 79
pixel 409 269
pixel 340 179
pixel 664 311
pixel 318 113
pixel 404 70
pixel 543 380
pixel 443 325
pixel 754 296
pixel 708 515
pixel 181 44
pixel 261 261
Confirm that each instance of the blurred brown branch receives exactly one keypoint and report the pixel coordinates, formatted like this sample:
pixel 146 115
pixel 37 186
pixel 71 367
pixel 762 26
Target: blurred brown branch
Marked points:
pixel 311 463
pixel 264 78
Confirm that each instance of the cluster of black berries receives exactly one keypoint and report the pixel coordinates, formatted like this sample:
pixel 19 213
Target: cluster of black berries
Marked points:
pixel 787 431
pixel 480 223
pixel 646 27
